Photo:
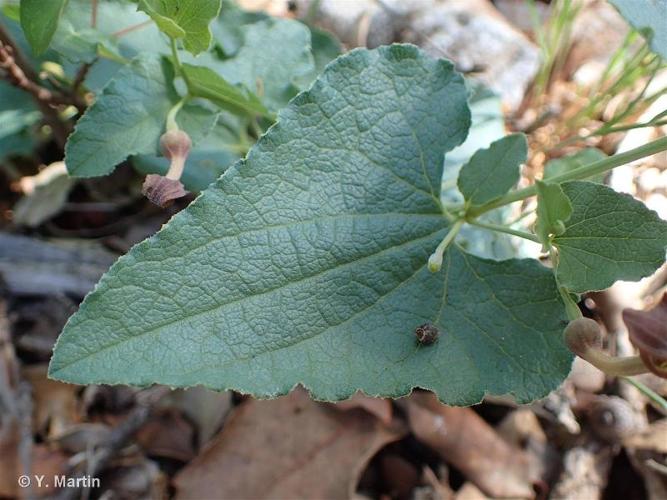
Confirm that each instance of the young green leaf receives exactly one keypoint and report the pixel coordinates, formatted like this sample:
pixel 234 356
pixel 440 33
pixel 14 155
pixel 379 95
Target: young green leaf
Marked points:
pixel 491 172
pixel 188 20
pixel 306 262
pixel 553 211
pixel 129 117
pixel 39 20
pixel 206 83
pixel 610 236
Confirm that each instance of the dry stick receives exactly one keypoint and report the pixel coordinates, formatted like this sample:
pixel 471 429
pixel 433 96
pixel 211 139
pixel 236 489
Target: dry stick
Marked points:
pixel 119 438
pixel 93 15
pixel 132 28
pixel 20 74
pixel 15 394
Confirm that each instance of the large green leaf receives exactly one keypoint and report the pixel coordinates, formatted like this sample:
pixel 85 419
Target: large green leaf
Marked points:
pixel 39 20
pixel 188 20
pixel 491 172
pixel 609 236
pixel 647 14
pixel 306 262
pixel 129 118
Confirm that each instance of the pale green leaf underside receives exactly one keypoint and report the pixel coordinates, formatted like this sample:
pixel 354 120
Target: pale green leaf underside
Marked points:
pixel 651 14
pixel 305 263
pixel 274 62
pixel 128 118
pixel 188 20
pixel 39 21
pixel 610 236
pixel 493 171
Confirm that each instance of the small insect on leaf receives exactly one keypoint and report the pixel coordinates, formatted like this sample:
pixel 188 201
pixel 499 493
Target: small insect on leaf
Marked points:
pixel 426 334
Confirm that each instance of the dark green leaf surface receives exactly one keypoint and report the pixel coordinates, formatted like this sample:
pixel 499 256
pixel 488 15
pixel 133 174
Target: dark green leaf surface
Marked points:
pixel 492 172
pixel 129 118
pixel 554 209
pixel 188 20
pixel 39 20
pixel 306 263
pixel 610 236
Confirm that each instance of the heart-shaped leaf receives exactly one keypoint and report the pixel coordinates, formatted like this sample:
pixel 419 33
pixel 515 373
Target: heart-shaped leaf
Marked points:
pixel 610 236
pixel 493 171
pixel 306 263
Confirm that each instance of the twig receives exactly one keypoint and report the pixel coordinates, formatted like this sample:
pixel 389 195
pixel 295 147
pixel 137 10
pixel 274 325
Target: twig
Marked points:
pixel 132 28
pixel 15 394
pixel 93 14
pixel 79 78
pixel 118 439
pixel 20 74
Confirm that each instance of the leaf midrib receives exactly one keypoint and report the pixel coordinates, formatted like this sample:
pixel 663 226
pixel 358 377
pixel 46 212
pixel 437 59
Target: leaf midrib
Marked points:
pixel 158 328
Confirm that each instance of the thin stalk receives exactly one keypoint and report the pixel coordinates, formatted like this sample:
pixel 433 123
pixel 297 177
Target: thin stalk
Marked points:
pixel 649 393
pixel 171 116
pixel 504 229
pixel 130 29
pixel 93 14
pixel 435 260
pixel 583 172
pixel 177 63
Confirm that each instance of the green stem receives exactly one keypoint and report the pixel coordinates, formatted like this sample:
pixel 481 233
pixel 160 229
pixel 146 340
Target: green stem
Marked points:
pixel 571 308
pixel 649 393
pixel 583 172
pixel 177 63
pixel 504 229
pixel 171 116
pixel 435 260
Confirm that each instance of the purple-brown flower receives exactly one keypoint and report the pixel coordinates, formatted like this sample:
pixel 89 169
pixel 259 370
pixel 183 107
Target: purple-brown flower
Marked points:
pixel 648 333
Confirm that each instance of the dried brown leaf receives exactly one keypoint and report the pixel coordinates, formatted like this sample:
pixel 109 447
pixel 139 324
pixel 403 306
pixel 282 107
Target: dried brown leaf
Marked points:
pixel 290 447
pixel 464 439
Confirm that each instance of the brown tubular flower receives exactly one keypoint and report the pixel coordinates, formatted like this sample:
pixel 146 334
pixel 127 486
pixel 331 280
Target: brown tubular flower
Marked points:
pixel 648 333
pixel 163 190
pixel 584 338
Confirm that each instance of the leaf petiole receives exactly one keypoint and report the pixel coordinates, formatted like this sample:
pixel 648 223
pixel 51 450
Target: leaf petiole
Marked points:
pixel 177 63
pixel 435 260
pixel 504 229
pixel 583 172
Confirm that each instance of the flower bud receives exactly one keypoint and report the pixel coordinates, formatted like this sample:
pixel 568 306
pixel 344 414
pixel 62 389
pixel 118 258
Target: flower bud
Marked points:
pixel 175 143
pixel 581 335
pixel 584 338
